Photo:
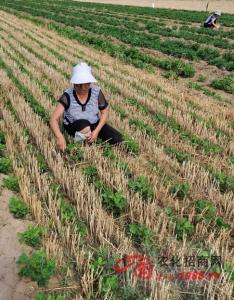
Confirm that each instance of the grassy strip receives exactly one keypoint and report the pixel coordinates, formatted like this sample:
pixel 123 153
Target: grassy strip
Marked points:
pixel 204 90
pixel 226 84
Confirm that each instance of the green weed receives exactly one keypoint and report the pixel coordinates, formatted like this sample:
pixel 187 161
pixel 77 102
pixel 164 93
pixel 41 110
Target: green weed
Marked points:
pixel 5 165
pixel 167 103
pixel 201 78
pixel 90 172
pixel 2 137
pixel 42 164
pixel 183 227
pixel 68 214
pixel 179 155
pixel 18 208
pixel 180 190
pixel 2 150
pixel 226 183
pixel 75 151
pixel 142 186
pixel 221 223
pixel 141 234
pixel 37 267
pixel 144 127
pixel 32 236
pixel 102 264
pixel 110 283
pixel 130 144
pixel 226 84
pixel 206 210
pixel 11 183
pixel 114 201
pixel 128 292
pixel 108 152
pixel 43 296
pixel 227 268
pixel 171 75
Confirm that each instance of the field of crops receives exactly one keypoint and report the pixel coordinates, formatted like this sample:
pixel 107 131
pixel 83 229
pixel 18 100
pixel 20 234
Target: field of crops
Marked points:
pixel 107 219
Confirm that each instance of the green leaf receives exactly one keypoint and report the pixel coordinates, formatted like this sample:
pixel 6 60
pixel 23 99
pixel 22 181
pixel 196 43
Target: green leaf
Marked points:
pixel 18 208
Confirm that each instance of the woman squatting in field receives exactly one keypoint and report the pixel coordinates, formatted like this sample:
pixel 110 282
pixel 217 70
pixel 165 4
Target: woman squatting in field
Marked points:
pixel 211 21
pixel 80 106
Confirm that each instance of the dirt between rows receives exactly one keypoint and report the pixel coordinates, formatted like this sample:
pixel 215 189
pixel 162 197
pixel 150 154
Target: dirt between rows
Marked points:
pixel 226 6
pixel 11 286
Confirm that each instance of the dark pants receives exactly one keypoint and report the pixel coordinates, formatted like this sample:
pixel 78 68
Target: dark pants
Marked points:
pixel 107 133
pixel 208 25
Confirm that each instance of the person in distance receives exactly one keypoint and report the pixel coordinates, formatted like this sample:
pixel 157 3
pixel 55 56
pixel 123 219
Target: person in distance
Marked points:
pixel 85 111
pixel 211 21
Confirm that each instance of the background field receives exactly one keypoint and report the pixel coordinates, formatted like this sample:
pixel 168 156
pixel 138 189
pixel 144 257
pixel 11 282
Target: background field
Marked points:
pixel 224 6
pixel 168 191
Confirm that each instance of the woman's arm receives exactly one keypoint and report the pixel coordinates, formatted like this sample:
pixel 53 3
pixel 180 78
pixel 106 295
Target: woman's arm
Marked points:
pixel 103 118
pixel 54 124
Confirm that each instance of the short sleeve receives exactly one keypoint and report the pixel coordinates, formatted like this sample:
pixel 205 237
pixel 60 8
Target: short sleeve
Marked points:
pixel 102 102
pixel 65 100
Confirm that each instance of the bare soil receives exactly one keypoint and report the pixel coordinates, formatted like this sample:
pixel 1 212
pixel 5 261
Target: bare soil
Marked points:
pixel 225 6
pixel 12 287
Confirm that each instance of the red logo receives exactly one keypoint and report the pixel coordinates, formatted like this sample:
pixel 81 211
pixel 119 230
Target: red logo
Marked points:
pixel 142 266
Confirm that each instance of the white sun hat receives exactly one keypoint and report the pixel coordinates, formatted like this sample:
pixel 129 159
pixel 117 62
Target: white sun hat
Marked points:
pixel 217 13
pixel 82 74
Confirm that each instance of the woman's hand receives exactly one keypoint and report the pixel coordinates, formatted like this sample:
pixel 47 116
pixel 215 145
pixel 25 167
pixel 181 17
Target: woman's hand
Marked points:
pixel 54 124
pixel 61 143
pixel 93 137
pixel 103 119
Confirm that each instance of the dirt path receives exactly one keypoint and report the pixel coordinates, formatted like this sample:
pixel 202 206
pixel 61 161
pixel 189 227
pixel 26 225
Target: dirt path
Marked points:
pixel 11 286
pixel 225 6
